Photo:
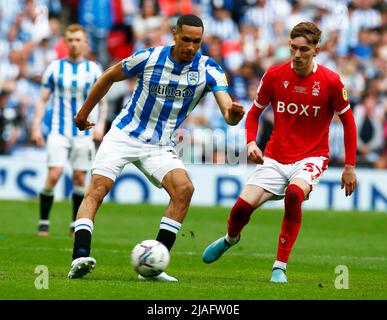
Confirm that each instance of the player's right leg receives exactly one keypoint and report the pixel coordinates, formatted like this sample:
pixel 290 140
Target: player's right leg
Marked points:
pixel 251 198
pixel 57 155
pixel 46 199
pixel 82 263
pixel 110 159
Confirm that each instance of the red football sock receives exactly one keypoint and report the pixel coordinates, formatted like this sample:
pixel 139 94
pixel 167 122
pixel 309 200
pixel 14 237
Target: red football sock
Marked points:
pixel 239 217
pixel 291 222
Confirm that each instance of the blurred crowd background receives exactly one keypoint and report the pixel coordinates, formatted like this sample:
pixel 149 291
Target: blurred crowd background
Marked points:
pixel 244 36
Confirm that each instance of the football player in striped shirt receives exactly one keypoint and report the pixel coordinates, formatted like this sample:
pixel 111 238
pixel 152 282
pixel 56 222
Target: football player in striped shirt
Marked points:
pixel 171 80
pixel 304 96
pixel 67 82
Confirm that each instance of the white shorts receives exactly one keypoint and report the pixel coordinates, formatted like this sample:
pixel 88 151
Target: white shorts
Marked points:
pixel 118 149
pixel 275 177
pixel 79 150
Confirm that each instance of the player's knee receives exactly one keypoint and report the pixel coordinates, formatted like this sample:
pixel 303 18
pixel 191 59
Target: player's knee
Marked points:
pixel 54 176
pixel 79 178
pixel 97 191
pixel 185 191
pixel 294 193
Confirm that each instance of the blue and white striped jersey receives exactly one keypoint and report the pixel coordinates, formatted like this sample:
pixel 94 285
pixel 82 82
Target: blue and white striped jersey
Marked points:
pixel 166 92
pixel 70 83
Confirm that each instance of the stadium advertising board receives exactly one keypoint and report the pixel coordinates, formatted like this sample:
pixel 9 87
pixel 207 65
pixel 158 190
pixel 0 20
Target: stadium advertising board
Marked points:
pixel 22 178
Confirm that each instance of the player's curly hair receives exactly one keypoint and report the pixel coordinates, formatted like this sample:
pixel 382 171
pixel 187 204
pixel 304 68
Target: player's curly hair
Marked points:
pixel 308 30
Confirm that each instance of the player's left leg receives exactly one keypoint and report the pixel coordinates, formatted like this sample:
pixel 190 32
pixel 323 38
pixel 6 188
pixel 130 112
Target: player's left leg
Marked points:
pixel 291 223
pixel 304 175
pixel 79 186
pixel 180 189
pixel 165 170
pixel 82 155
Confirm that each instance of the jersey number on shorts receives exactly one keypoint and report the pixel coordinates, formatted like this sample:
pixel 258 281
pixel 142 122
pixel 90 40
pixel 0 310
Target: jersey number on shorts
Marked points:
pixel 315 170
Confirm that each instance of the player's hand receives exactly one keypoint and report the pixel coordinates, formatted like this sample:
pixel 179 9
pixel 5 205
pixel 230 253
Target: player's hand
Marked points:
pixel 236 112
pixel 348 180
pixel 37 137
pixel 82 123
pixel 254 153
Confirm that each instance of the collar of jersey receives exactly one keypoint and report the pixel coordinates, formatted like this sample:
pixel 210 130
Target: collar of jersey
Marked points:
pixel 73 62
pixel 315 66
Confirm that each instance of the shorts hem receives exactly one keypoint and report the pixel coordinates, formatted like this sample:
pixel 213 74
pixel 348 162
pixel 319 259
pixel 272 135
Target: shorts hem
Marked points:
pixel 106 174
pixel 162 172
pixel 265 187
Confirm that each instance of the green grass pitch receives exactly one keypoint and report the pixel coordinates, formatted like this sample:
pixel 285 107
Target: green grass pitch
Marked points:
pixel 327 239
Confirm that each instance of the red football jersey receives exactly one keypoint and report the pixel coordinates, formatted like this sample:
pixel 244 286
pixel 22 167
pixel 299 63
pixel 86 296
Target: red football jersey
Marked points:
pixel 303 109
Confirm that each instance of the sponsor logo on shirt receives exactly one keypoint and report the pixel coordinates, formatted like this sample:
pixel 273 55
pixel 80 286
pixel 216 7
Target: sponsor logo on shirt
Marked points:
pixel 170 92
pixel 294 108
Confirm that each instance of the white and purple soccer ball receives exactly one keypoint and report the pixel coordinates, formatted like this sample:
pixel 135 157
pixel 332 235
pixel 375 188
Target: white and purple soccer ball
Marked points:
pixel 150 258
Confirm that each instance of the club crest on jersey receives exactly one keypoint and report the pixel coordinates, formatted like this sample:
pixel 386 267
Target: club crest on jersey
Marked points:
pixel 193 77
pixel 286 83
pixel 316 88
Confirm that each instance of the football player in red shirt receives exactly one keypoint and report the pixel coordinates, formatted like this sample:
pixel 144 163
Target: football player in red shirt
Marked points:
pixel 304 97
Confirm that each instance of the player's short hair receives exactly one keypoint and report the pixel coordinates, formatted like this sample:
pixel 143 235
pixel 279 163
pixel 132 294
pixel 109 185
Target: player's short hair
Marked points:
pixel 189 20
pixel 308 30
pixel 75 27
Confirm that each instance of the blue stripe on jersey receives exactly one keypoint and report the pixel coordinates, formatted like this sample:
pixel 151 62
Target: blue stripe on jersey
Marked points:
pixel 167 107
pixel 126 119
pixel 187 102
pixel 61 92
pixel 150 101
pixel 74 97
pixel 87 89
pixel 139 68
pixel 87 83
pixel 50 83
pixel 219 88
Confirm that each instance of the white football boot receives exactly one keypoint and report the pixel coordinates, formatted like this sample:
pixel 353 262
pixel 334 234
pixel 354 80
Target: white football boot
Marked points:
pixel 81 267
pixel 161 277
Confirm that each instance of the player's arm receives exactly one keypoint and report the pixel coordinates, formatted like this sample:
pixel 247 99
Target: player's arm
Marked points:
pixel 97 92
pixel 40 107
pixel 252 123
pixel 348 178
pixel 232 111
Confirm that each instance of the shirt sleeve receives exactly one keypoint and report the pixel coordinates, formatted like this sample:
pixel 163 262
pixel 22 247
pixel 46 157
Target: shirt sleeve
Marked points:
pixel 216 79
pixel 48 77
pixel 264 91
pixel 135 64
pixel 339 96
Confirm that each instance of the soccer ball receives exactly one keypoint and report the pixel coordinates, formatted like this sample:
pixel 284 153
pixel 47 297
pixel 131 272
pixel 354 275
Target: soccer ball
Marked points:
pixel 150 258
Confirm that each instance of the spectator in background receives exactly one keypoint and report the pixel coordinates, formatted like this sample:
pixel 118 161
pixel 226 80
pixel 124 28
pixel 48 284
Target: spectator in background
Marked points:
pixel 69 81
pixel 353 79
pixel 9 123
pixel 175 7
pixel 369 117
pixel 147 19
pixel 336 142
